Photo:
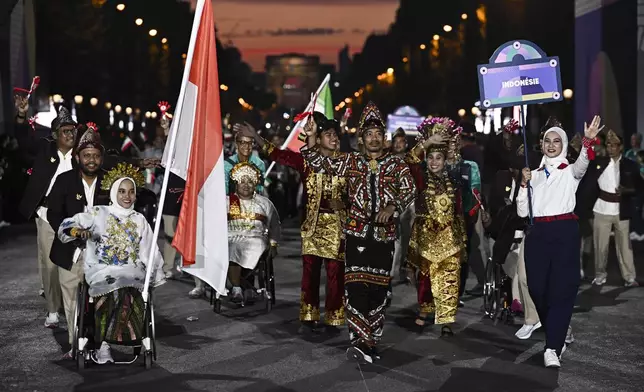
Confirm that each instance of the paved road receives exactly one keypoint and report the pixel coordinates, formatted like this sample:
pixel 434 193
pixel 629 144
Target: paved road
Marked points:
pixel 247 350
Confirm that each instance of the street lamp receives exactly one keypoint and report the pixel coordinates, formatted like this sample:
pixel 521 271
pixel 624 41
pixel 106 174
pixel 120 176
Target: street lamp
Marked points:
pixel 78 99
pixel 128 110
pixel 568 93
pixel 153 114
pixel 93 101
pixel 117 108
pixel 422 47
pixel 152 32
pixel 108 105
pixel 436 37
pixel 476 111
pixel 138 21
pixel 390 71
pixel 164 40
pixel 57 98
pixel 148 114
pixel 464 16
pixel 120 7
pixel 447 28
pixel 461 112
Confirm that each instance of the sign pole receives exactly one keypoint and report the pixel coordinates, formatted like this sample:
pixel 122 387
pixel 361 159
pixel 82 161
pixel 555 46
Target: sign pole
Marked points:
pixel 527 163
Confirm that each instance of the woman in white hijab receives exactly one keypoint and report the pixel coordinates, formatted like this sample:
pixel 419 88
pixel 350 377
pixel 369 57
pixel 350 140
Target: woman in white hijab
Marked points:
pixel 115 260
pixel 552 242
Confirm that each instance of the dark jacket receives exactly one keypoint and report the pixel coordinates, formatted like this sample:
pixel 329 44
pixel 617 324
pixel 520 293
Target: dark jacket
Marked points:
pixel 588 191
pixel 505 220
pixel 67 198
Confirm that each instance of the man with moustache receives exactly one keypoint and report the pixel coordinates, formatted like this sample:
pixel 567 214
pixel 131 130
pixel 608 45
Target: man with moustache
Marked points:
pixel 322 238
pixel 74 192
pixel 379 185
pixel 50 157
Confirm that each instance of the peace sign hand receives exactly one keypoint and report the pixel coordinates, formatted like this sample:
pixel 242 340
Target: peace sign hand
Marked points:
pixel 591 131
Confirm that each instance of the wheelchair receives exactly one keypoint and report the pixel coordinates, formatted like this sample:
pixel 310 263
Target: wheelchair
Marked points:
pixel 497 293
pixel 265 289
pixel 83 345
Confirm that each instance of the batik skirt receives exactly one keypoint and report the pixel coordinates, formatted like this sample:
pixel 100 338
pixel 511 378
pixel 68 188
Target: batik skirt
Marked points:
pixel 120 316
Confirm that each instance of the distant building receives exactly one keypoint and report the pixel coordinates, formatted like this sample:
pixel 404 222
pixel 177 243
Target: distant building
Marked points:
pixel 292 78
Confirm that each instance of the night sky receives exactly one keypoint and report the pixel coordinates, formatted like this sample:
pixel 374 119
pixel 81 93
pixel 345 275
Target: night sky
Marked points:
pixel 320 27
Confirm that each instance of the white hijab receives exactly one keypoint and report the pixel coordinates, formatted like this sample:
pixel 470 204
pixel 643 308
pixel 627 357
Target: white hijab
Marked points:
pixel 115 207
pixel 553 163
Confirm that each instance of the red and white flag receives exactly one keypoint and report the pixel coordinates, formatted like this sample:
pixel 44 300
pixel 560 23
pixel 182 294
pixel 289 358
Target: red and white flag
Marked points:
pixel 195 153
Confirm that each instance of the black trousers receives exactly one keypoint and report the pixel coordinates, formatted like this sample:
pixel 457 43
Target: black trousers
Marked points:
pixel 552 270
pixel 367 279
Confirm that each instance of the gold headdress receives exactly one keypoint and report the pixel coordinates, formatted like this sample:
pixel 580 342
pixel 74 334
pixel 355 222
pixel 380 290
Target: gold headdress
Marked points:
pixel 612 137
pixel 120 171
pixel 370 118
pixel 245 170
pixel 443 126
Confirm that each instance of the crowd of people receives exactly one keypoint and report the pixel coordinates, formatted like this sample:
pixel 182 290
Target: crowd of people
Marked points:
pixel 426 214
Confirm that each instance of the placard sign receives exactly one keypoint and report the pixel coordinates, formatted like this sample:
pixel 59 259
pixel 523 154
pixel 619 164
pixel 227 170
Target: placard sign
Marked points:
pixel 519 73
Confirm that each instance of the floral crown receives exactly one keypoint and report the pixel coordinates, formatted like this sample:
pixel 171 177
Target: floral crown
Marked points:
pixel 438 125
pixel 245 170
pixel 122 170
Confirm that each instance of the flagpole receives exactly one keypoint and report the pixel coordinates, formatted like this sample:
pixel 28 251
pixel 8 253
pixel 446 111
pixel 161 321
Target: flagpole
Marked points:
pixel 311 105
pixel 172 139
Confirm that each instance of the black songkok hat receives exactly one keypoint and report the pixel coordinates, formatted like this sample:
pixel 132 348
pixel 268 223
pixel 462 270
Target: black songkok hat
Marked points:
pixel 324 124
pixel 63 118
pixel 90 139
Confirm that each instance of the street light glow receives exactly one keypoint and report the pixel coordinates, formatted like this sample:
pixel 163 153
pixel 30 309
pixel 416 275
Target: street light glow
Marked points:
pixel 152 32
pixel 164 40
pixel 138 21
pixel 567 93
pixel 120 7
pixel 108 105
pixel 153 114
pixel 117 108
pixel 148 114
pixel 78 99
pixel 183 56
pixel 390 71
pixel 128 110
pixel 422 46
pixel 447 28
pixel 461 112
pixel 93 101
pixel 436 37
pixel 57 98
pixel 464 16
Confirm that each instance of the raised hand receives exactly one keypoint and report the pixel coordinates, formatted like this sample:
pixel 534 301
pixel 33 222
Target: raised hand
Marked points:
pixel 591 131
pixel 245 129
pixel 436 139
pixel 22 105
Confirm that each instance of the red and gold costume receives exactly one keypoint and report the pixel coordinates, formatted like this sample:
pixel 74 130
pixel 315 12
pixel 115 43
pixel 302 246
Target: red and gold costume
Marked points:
pixel 438 235
pixel 322 237
pixel 373 184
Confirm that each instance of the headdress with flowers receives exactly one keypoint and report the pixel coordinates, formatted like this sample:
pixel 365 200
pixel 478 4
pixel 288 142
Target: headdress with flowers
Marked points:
pixel 443 126
pixel 245 170
pixel 122 170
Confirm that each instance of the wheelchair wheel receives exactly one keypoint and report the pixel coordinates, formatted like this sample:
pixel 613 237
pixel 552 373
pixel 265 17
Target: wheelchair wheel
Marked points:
pixel 489 289
pixel 147 360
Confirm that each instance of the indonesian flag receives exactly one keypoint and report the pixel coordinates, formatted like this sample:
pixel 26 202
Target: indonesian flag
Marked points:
pixel 195 153
pixel 320 102
pixel 127 143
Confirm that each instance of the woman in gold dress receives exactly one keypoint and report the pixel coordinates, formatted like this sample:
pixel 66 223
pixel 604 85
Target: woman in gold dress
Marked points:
pixel 438 235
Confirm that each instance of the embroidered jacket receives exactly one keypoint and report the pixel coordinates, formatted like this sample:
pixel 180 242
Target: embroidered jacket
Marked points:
pixel 373 184
pixel 322 225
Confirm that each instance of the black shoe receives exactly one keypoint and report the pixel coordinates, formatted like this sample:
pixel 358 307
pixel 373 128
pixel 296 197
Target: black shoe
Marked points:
pixel 446 331
pixel 375 354
pixel 307 328
pixel 359 355
pixel 332 330
pixel 420 328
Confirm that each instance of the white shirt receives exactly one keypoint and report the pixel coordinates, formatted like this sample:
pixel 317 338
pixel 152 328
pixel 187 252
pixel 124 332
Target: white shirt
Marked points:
pixel 553 195
pixel 64 165
pixel 608 182
pixel 89 197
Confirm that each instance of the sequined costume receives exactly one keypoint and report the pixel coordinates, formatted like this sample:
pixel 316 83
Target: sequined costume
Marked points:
pixel 321 230
pixel 373 184
pixel 252 224
pixel 437 240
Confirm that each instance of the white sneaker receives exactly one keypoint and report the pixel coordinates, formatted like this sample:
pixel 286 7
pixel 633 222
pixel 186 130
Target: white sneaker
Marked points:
pixel 104 355
pixel 569 337
pixel 599 281
pixel 582 274
pixel 169 275
pixel 356 354
pixel 526 331
pixel 550 359
pixel 52 320
pixel 197 292
pixel 4 224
